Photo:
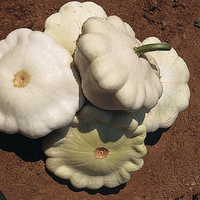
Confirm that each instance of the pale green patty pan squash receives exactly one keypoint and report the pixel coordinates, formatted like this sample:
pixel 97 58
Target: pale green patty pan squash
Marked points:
pixel 100 148
pixel 66 25
pixel 113 76
pixel 39 91
pixel 174 76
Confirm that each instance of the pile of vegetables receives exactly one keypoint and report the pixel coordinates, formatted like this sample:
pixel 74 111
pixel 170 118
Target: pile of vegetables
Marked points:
pixel 92 89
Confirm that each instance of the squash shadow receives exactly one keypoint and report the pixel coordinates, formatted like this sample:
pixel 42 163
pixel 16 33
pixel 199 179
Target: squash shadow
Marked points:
pixel 152 138
pixel 29 150
pixel 103 190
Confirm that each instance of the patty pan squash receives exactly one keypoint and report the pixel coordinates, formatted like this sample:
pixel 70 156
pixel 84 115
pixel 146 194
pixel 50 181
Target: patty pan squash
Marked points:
pixel 39 89
pixel 174 76
pixel 66 25
pixel 113 76
pixel 96 151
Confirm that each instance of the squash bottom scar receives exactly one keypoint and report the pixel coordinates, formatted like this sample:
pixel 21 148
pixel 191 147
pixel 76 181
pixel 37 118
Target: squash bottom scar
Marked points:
pixel 101 152
pixel 21 79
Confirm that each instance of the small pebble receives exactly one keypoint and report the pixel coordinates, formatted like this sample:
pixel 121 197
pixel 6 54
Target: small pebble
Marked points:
pixel 193 183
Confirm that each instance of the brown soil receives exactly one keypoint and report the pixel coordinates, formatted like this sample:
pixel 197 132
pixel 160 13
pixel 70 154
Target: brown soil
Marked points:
pixel 172 164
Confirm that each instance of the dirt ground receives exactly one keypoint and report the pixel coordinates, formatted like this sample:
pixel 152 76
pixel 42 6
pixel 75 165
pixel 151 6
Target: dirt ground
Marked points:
pixel 172 165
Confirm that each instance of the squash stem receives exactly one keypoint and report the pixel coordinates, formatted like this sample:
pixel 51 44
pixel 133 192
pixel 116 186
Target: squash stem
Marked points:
pixel 152 47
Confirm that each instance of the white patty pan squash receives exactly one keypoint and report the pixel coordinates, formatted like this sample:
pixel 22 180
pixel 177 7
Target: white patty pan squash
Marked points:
pixel 65 25
pixel 39 90
pixel 95 153
pixel 113 76
pixel 174 76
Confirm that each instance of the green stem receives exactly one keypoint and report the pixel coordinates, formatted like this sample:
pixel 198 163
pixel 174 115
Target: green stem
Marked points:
pixel 152 47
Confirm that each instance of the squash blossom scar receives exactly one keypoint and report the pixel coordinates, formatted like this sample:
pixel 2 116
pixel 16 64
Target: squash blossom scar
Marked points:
pixel 21 79
pixel 101 152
